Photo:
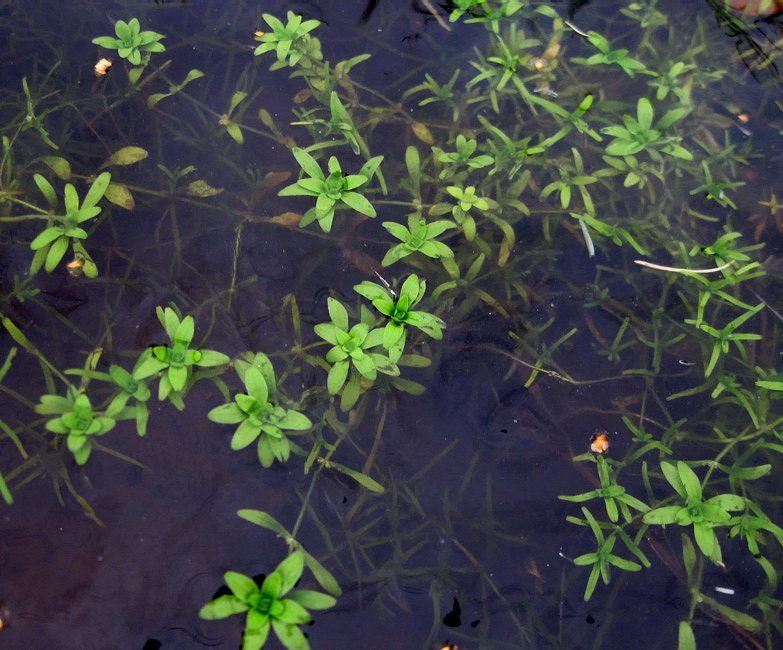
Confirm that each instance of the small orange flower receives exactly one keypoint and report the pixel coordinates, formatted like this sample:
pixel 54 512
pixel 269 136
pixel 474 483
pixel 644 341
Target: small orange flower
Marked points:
pixel 102 67
pixel 599 443
pixel 75 268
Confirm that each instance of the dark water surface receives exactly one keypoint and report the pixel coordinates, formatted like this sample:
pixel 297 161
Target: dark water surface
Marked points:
pixel 481 527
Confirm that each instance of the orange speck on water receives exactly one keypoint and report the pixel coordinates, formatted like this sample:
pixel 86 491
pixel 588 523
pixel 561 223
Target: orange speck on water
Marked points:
pixel 599 443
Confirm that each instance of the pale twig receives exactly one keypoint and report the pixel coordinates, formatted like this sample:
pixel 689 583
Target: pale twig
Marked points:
pixel 674 269
pixel 438 17
pixel 575 28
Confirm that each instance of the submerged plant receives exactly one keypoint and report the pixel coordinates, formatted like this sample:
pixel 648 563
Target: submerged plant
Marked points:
pixel 602 559
pixel 703 515
pixel 176 362
pixel 467 199
pixel 609 56
pixel 131 43
pixel 352 348
pixel 418 237
pixel 258 414
pixel 76 420
pixel 463 156
pixel 290 42
pixel 52 243
pixel 640 133
pixel 616 499
pixel 623 193
pixel 130 388
pixel 272 606
pixel 399 310
pixel 332 189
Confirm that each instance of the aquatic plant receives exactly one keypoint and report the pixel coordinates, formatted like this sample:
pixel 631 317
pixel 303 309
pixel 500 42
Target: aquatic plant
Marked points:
pixel 418 237
pixel 352 352
pixel 558 160
pixel 63 231
pixel 175 363
pixel 132 43
pixel 399 310
pixel 332 189
pixel 257 415
pixel 704 516
pixel 291 42
pixel 76 421
pixel 272 606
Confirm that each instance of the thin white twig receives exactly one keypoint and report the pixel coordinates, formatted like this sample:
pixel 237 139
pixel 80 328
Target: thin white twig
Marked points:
pixel 575 28
pixel 674 269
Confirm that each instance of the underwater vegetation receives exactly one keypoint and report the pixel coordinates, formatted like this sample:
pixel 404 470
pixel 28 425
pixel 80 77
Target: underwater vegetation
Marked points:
pixel 497 315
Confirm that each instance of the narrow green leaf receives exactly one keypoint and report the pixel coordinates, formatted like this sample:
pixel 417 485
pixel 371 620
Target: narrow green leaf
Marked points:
pixel 685 638
pixel 264 520
pixel 360 478
pixel 324 577
pixel 97 190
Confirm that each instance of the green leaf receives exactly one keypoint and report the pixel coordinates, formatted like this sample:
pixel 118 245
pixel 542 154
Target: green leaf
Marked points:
pixel 149 367
pixel 337 376
pixel 358 203
pixel 120 195
pixel 45 238
pixel 264 520
pixel 211 358
pixel 338 313
pixel 97 190
pixel 290 570
pixel 223 607
pixel 245 433
pixel 56 253
pixel 242 586
pixel 743 620
pixel 185 331
pixel 663 515
pixel 235 132
pixel 592 581
pixel 360 478
pixel 690 481
pixel 293 613
pixel 290 636
pixel 255 638
pixel 238 97
pixel 313 599
pixel 106 41
pixel 168 319
pixel 673 477
pixel 727 502
pixel 625 565
pixel 295 421
pixel 685 637
pixel 82 454
pixel 623 148
pixel 308 163
pixel 644 113
pixel 371 166
pixel 178 376
pixel 706 541
pixel 324 578
pixel 271 585
pixel 46 189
